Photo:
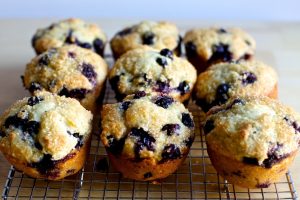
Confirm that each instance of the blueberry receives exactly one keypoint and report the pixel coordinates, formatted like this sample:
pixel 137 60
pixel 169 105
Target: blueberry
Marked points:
pixel 102 165
pixel 147 175
pixel 273 156
pixel 189 141
pixel 294 124
pixel 171 129
pixel 164 101
pixel 98 46
pixel 263 185
pixel 139 94
pixel 71 54
pixel 83 44
pixel 89 72
pixel 15 121
pixel 208 126
pixel 45 164
pixel 70 39
pixel 144 140
pixel 80 140
pixel 221 30
pixel 250 161
pixel 222 93
pixel 114 82
pixel 187 120
pixel 74 93
pixel 38 146
pixel 31 127
pixel 167 53
pixel 125 105
pixel 44 60
pixel 163 87
pixel 34 100
pixel 246 56
pixel 34 86
pixel 125 31
pixel 183 87
pixel 170 152
pixel 191 49
pixel 220 53
pixel 115 146
pixel 162 62
pixel 148 38
pixel 248 78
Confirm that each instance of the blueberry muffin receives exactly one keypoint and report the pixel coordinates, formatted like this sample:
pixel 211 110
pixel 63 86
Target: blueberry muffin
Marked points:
pixel 252 141
pixel 211 45
pixel 69 31
pixel 224 80
pixel 150 70
pixel 158 35
pixel 46 136
pixel 147 137
pixel 69 71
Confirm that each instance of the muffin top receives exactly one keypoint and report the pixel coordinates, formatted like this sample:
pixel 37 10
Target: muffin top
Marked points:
pixel 69 31
pixel 150 70
pixel 255 130
pixel 69 70
pixel 224 80
pixel 219 44
pixel 158 35
pixel 147 127
pixel 43 126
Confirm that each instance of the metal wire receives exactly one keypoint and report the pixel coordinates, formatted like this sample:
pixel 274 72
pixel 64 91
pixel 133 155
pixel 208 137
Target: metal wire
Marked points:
pixel 195 179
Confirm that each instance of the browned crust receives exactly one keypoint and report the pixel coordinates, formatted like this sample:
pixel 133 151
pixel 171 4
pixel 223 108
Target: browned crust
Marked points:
pixel 69 165
pixel 274 92
pixel 245 175
pixel 136 170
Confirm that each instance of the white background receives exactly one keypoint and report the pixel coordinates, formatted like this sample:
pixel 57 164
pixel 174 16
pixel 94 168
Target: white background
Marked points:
pixel 262 10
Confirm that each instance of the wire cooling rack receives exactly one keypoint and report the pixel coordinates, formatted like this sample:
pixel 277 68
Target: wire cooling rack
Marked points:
pixel 195 179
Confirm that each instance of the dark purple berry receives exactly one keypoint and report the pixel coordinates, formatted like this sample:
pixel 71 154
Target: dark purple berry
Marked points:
pixel 15 121
pixel 187 120
pixel 171 129
pixel 84 44
pixel 45 164
pixel 124 32
pixel 183 87
pixel 220 53
pixel 38 146
pixel 115 146
pixel 263 185
pixel 139 94
pixel 102 165
pixel 163 87
pixel 164 101
pixel 245 57
pixel 74 93
pixel 89 72
pixel 208 126
pixel 34 100
pixel 44 60
pixel 248 78
pixel 98 46
pixel 222 93
pixel 125 105
pixel 34 86
pixel 167 53
pixel 31 127
pixel 250 161
pixel 80 140
pixel 147 175
pixel 70 39
pixel 191 49
pixel 148 38
pixel 222 30
pixel 273 156
pixel 144 140
pixel 294 124
pixel 71 54
pixel 170 152
pixel 162 61
pixel 189 141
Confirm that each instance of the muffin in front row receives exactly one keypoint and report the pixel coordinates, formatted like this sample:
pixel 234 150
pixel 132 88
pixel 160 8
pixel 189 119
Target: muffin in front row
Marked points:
pixel 69 71
pixel 46 136
pixel 208 46
pixel 147 137
pixel 150 70
pixel 252 141
pixel 69 31
pixel 158 35
pixel 224 80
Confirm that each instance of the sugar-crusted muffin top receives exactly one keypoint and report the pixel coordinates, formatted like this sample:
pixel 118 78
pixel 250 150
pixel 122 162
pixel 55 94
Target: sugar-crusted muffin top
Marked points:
pixel 158 35
pixel 150 70
pixel 224 80
pixel 70 70
pixel 147 127
pixel 69 31
pixel 255 130
pixel 44 125
pixel 219 44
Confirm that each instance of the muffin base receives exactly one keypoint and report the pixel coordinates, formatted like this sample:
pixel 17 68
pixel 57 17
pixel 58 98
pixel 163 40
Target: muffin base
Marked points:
pixel 67 166
pixel 137 169
pixel 248 176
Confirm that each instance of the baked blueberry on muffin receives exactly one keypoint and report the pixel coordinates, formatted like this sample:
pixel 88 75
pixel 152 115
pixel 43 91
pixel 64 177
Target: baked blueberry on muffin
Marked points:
pixel 69 71
pixel 158 35
pixel 224 80
pixel 147 137
pixel 251 141
pixel 150 70
pixel 211 45
pixel 46 136
pixel 69 31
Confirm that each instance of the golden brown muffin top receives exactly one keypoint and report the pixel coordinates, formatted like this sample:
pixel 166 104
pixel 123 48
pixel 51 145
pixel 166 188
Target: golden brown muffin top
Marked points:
pixel 44 124
pixel 255 130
